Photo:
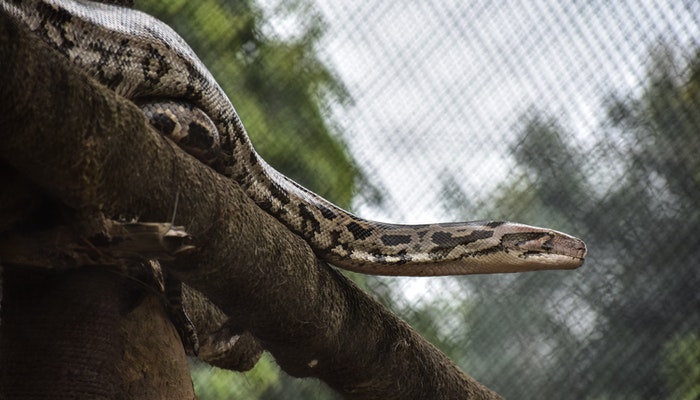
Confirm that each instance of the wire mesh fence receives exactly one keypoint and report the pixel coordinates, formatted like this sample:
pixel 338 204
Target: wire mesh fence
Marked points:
pixel 580 116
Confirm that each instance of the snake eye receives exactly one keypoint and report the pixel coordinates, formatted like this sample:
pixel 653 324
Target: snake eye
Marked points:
pixel 528 241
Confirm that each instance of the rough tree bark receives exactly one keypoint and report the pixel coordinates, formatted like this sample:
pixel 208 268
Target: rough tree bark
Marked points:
pixel 67 138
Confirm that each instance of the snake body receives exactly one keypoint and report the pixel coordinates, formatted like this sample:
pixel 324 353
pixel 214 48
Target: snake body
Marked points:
pixel 144 60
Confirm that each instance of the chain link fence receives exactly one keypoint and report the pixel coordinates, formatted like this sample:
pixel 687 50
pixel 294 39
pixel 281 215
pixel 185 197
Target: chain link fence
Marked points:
pixel 579 116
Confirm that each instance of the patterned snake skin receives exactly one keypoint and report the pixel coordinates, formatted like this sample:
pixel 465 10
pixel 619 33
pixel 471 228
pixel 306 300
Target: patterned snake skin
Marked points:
pixel 144 60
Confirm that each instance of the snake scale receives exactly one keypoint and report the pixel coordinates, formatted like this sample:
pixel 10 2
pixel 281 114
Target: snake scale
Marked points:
pixel 145 61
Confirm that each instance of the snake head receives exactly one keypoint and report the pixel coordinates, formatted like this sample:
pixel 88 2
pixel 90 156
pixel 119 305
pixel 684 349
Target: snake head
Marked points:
pixel 545 247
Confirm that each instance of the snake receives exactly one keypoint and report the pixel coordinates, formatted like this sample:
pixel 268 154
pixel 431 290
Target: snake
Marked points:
pixel 145 61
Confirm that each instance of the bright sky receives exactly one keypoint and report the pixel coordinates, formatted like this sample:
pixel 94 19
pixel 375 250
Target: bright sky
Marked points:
pixel 439 86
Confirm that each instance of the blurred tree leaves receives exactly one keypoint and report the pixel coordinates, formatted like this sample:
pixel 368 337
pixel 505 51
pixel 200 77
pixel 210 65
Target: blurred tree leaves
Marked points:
pixel 605 331
pixel 280 88
pixel 681 368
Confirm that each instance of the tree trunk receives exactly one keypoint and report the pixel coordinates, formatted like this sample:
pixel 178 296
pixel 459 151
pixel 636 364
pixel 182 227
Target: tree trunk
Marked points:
pixel 91 151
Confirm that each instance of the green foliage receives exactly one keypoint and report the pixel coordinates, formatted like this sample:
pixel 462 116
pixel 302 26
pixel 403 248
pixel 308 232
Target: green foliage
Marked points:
pixel 265 382
pixel 681 367
pixel 603 331
pixel 279 87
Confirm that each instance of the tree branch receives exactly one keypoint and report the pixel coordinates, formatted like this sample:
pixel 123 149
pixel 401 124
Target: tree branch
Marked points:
pixel 92 150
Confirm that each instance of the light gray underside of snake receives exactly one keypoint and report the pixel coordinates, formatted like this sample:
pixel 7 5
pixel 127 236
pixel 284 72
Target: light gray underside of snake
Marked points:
pixel 144 60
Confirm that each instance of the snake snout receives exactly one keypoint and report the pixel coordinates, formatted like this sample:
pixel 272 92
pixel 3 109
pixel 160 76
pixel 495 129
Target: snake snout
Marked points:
pixel 567 245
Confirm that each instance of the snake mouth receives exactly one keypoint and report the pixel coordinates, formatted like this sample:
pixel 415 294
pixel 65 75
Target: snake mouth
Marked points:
pixel 581 252
pixel 566 245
